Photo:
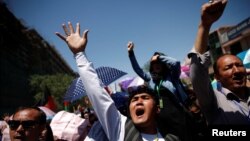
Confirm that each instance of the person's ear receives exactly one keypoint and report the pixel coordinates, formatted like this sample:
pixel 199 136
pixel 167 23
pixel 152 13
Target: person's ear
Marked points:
pixel 43 131
pixel 42 127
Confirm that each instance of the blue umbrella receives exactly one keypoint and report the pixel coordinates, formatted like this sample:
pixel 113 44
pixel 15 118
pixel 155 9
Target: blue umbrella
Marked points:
pixel 109 75
pixel 244 56
pixel 106 74
pixel 75 91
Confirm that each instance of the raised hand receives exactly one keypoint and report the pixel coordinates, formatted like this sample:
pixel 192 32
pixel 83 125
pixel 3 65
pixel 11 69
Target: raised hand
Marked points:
pixel 73 38
pixel 212 11
pixel 130 46
pixel 155 57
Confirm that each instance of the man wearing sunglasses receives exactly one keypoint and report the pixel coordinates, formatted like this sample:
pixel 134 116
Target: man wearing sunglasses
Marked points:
pixel 27 124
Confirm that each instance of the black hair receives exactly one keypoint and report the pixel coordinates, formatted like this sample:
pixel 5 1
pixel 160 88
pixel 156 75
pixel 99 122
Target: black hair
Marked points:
pixel 142 89
pixel 42 115
pixel 159 53
pixel 132 91
pixel 215 65
pixel 158 61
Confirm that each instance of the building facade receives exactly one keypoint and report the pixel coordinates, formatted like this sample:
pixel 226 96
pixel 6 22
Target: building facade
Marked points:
pixel 230 39
pixel 23 53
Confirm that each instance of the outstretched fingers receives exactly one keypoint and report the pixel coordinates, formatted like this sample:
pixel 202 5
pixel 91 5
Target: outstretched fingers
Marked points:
pixel 85 34
pixel 60 36
pixel 74 40
pixel 71 29
pixel 66 30
pixel 78 28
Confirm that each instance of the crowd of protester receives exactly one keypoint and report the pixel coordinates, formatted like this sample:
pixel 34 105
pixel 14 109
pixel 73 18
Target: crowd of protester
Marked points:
pixel 160 108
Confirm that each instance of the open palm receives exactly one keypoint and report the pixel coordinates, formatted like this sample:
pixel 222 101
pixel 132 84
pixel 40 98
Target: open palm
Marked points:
pixel 74 40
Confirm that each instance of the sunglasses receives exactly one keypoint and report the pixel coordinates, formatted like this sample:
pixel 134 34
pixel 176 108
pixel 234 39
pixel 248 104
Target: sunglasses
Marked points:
pixel 14 124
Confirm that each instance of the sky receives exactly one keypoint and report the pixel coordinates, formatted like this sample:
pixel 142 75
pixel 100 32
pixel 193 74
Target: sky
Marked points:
pixel 168 26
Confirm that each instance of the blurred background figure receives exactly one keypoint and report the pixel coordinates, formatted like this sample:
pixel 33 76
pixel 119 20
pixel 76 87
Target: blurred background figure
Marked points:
pixel 5 136
pixel 27 124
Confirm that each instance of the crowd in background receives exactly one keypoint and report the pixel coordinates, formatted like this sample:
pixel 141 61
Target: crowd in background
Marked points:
pixel 160 107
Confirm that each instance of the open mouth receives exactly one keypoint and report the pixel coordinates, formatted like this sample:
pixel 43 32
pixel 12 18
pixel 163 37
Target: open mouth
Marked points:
pixel 139 112
pixel 238 78
pixel 18 137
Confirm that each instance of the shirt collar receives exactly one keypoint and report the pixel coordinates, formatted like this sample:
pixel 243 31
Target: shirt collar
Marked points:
pixel 231 96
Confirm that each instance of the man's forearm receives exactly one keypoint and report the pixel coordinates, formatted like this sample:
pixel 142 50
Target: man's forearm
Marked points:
pixel 201 41
pixel 139 71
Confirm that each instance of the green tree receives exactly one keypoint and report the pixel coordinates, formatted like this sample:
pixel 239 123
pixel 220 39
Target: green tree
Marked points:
pixel 57 85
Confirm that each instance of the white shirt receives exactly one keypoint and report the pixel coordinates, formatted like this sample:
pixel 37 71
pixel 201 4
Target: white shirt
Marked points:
pixel 112 121
pixel 150 137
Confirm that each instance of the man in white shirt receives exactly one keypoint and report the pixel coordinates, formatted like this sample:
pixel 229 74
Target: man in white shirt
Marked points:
pixel 143 108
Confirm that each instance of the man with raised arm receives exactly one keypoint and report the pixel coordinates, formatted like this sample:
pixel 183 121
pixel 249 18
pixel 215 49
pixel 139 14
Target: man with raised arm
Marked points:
pixel 230 104
pixel 143 108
